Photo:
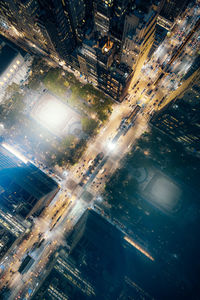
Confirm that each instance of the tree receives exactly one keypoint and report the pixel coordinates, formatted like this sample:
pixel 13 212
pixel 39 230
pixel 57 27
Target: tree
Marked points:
pixel 68 141
pixel 12 89
pixel 89 125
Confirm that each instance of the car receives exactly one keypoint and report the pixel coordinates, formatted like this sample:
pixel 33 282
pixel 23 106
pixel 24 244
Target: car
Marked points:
pixel 149 92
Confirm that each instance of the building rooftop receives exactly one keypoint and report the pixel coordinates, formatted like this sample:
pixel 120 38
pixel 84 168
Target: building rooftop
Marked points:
pixel 7 54
pixel 21 185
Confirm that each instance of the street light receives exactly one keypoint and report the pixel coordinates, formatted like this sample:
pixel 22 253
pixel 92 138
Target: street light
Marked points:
pixel 111 146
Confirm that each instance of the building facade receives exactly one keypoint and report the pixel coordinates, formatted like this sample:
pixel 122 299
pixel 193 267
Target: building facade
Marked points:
pixel 24 192
pixel 14 66
pixel 106 40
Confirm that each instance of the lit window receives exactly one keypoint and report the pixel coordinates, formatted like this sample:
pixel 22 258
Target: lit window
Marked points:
pixel 4 78
pixel 18 62
pixel 8 75
pixel 15 67
pixel 11 70
pixel 1 83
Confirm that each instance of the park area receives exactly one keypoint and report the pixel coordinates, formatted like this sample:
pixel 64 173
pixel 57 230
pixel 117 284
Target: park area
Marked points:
pixel 54 115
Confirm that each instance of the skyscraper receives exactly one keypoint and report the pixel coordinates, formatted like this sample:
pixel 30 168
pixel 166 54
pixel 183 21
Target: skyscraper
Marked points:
pixel 138 36
pixel 42 26
pixel 14 65
pixel 168 11
pixel 24 192
pixel 24 189
pixel 181 119
pixel 102 15
pixel 96 247
pixel 172 8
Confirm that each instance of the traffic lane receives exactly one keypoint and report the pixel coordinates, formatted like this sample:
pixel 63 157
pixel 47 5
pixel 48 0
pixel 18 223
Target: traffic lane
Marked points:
pixel 100 143
pixel 96 185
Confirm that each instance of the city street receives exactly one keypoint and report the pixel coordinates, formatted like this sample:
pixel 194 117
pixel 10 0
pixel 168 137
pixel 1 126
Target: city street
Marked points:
pixel 59 218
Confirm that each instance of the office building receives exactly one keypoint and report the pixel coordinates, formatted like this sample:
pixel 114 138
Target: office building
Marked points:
pixel 96 248
pixel 106 40
pixel 138 37
pixel 43 27
pixel 57 22
pixel 65 281
pixel 20 23
pixel 97 61
pixel 102 15
pixel 117 266
pixel 77 15
pixel 24 192
pixel 168 11
pixel 181 119
pixel 171 9
pixel 14 66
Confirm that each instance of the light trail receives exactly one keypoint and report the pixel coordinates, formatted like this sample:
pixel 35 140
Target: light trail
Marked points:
pixel 139 248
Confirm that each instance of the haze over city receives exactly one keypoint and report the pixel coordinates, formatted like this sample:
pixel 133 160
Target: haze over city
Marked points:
pixel 99 149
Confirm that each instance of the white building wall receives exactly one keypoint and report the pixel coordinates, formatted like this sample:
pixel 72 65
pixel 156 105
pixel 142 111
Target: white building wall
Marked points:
pixel 16 72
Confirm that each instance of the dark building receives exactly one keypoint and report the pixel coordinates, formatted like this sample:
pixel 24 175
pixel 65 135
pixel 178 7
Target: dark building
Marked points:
pixel 24 189
pixel 168 11
pixel 54 16
pixel 97 61
pixel 7 55
pixel 181 119
pixel 85 34
pixel 26 264
pixel 138 36
pixel 116 266
pixel 22 18
pixel 195 66
pixel 65 281
pixel 172 8
pixel 77 15
pixel 8 235
pixel 14 65
pixel 44 27
pixel 163 26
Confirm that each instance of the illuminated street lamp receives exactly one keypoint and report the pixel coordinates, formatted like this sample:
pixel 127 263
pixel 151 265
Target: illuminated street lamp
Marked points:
pixel 111 146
